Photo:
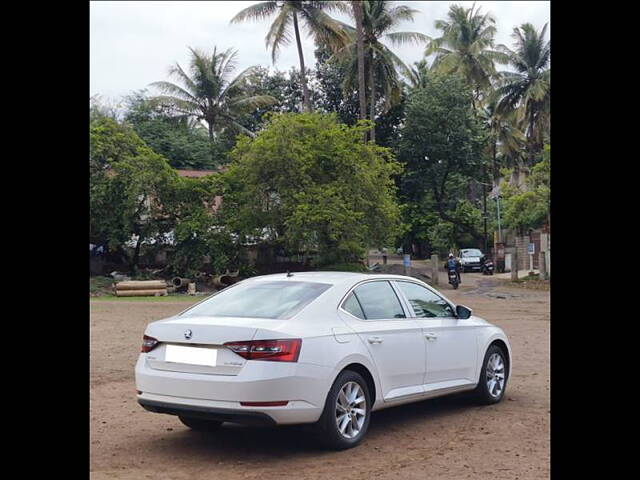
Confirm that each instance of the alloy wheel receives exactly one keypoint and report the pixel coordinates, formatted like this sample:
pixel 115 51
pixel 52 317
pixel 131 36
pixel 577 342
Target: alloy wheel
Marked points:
pixel 495 375
pixel 351 410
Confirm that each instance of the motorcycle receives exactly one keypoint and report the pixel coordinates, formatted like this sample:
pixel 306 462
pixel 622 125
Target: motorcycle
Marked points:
pixel 488 268
pixel 453 278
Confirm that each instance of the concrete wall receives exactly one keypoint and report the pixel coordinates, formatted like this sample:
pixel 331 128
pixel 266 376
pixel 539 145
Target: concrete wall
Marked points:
pixel 542 242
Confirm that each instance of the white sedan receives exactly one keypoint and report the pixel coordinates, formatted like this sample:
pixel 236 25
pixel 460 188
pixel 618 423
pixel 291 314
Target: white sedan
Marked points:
pixel 317 347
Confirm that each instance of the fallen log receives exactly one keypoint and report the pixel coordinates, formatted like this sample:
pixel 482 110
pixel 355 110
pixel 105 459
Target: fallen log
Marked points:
pixel 141 285
pixel 141 293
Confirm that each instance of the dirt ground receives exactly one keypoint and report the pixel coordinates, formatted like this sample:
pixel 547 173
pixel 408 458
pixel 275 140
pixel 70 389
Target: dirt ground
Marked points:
pixel 444 438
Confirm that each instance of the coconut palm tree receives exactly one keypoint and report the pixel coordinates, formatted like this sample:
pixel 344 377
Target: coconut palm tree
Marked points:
pixel 506 140
pixel 209 93
pixel 358 15
pixel 381 64
pixel 466 46
pixel 288 14
pixel 528 89
pixel 418 74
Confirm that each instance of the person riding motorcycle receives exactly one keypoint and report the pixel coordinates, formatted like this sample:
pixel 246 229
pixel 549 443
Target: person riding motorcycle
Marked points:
pixel 454 264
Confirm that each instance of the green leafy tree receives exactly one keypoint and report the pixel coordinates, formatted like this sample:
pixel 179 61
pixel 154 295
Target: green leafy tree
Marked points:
pixel 129 185
pixel 441 147
pixel 308 183
pixel 529 209
pixel 210 93
pixel 466 47
pixel 288 13
pixel 201 242
pixel 528 89
pixel 182 141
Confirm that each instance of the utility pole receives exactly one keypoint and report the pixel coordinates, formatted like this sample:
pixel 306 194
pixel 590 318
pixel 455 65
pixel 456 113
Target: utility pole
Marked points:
pixel 484 207
pixel 498 206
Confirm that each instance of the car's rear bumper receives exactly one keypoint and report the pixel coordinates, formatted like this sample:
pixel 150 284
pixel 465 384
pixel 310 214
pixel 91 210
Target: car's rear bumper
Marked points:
pixel 208 413
pixel 303 386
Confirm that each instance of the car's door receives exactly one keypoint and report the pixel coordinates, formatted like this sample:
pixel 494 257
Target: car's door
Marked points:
pixel 450 342
pixel 396 344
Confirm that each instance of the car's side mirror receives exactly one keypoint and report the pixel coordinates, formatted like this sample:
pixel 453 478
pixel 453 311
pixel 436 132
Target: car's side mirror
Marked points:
pixel 462 312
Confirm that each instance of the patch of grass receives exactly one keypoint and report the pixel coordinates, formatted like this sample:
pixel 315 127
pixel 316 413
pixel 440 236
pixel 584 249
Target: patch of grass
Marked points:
pixel 99 286
pixel 166 298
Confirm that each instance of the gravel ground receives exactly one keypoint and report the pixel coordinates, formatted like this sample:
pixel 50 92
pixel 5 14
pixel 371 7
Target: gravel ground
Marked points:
pixel 444 438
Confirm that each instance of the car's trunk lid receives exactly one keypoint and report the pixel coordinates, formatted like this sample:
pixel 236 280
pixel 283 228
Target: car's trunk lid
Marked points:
pixel 195 344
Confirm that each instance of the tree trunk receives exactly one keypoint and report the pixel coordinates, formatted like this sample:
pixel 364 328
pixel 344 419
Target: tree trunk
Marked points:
pixel 496 173
pixel 358 13
pixel 136 256
pixel 372 112
pixel 306 101
pixel 531 138
pixel 211 153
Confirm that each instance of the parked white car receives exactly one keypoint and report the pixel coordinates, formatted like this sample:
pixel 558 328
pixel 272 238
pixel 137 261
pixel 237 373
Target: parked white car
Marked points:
pixel 317 347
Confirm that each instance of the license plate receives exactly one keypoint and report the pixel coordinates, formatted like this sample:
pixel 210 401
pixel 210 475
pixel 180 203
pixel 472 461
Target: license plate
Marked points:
pixel 191 355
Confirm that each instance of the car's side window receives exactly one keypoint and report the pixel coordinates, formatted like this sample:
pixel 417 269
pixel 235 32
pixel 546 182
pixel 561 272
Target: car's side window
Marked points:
pixel 425 303
pixel 352 305
pixel 379 301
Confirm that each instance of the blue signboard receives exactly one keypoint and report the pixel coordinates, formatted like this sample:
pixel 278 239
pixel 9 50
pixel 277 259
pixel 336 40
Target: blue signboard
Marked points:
pixel 531 249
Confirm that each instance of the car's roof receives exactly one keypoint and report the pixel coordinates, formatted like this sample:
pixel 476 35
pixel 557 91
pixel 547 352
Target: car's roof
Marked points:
pixel 329 277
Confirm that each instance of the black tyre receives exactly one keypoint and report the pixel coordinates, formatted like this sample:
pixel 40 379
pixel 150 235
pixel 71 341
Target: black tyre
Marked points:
pixel 345 418
pixel 493 376
pixel 200 425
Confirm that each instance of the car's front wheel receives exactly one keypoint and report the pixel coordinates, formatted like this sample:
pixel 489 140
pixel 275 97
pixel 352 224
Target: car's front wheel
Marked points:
pixel 493 376
pixel 200 425
pixel 345 418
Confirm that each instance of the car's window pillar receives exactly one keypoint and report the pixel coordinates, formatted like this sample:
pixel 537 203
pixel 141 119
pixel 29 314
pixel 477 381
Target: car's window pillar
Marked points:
pixel 404 301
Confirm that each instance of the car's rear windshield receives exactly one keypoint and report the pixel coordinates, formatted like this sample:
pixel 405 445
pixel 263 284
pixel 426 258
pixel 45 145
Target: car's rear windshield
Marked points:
pixel 471 253
pixel 261 299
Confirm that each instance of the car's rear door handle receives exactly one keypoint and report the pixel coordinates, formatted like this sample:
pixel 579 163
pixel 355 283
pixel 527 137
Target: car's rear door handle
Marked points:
pixel 430 336
pixel 375 340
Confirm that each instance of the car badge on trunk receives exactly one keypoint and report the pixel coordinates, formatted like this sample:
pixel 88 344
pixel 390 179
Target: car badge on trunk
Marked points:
pixel 188 334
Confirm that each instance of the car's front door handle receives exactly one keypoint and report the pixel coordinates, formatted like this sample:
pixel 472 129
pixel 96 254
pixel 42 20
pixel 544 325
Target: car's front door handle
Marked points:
pixel 375 340
pixel 430 336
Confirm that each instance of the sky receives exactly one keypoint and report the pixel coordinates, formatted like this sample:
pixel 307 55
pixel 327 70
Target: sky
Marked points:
pixel 134 43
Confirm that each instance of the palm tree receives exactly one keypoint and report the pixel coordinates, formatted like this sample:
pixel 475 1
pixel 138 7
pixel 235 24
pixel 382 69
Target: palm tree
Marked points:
pixel 528 89
pixel 466 47
pixel 317 22
pixel 209 93
pixel 505 138
pixel 358 15
pixel 379 18
pixel 418 74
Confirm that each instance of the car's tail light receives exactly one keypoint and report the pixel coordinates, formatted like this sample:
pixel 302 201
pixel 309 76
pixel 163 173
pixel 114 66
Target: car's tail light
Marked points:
pixel 148 343
pixel 274 350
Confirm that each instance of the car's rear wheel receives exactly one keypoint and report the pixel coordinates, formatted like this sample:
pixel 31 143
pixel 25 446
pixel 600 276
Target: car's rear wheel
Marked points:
pixel 493 376
pixel 345 418
pixel 200 425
